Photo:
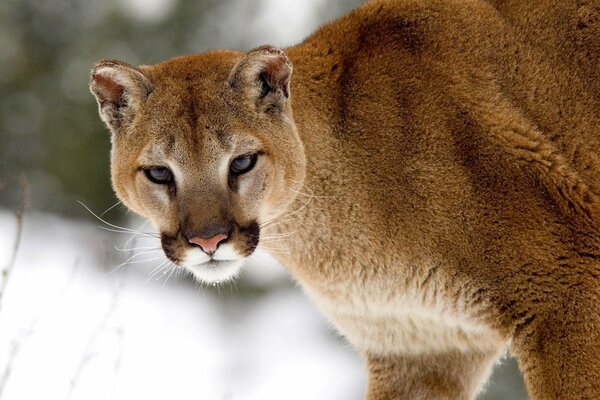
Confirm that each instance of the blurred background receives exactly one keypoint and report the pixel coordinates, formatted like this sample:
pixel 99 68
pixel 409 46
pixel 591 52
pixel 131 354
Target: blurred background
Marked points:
pixel 86 313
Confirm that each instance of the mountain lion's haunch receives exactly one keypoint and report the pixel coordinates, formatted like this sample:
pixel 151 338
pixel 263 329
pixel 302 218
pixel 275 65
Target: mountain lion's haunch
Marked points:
pixel 429 173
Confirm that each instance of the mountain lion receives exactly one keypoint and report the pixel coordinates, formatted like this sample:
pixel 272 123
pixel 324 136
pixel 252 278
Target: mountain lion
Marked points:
pixel 429 173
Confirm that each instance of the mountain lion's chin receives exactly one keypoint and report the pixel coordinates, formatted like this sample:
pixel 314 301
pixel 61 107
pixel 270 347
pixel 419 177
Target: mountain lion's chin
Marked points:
pixel 215 271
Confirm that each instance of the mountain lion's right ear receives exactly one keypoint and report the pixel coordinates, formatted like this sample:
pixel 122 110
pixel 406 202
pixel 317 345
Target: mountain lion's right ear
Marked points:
pixel 263 76
pixel 120 89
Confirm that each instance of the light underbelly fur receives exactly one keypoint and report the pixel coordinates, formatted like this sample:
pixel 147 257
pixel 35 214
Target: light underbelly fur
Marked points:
pixel 408 323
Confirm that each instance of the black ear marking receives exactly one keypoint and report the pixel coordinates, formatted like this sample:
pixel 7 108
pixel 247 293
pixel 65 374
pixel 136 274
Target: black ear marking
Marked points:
pixel 263 74
pixel 265 88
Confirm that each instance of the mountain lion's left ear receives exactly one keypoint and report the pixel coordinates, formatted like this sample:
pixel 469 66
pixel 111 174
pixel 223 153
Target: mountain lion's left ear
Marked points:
pixel 263 75
pixel 120 90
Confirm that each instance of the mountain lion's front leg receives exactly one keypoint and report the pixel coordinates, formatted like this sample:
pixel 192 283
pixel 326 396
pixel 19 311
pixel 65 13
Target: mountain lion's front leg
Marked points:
pixel 559 353
pixel 454 375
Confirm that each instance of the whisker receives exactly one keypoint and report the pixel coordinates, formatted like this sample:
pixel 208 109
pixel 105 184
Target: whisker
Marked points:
pixel 177 275
pixel 276 240
pixel 278 235
pixel 140 254
pixel 183 272
pixel 157 270
pixel 285 217
pixel 276 253
pixel 106 222
pixel 158 267
pixel 231 285
pixel 134 237
pixel 164 271
pixel 110 208
pixel 142 234
pixel 299 192
pixel 135 233
pixel 146 234
pixel 272 223
pixel 133 262
pixel 262 246
pixel 129 260
pixel 283 250
pixel 173 268
pixel 312 192
pixel 143 261
pixel 136 248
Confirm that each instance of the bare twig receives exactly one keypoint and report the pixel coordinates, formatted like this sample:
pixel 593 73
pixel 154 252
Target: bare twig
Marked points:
pixel 120 332
pixel 14 350
pixel 19 213
pixel 24 333
pixel 88 353
pixel 15 347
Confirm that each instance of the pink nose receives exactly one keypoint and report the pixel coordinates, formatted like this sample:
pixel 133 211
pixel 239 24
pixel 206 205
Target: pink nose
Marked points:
pixel 209 246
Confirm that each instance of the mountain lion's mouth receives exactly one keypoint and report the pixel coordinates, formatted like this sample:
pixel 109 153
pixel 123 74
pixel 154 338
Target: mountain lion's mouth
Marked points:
pixel 215 263
pixel 215 271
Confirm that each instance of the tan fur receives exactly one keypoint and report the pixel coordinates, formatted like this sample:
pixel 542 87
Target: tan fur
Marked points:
pixel 429 174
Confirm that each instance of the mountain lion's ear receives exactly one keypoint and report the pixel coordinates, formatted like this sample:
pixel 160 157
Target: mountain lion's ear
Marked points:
pixel 120 89
pixel 263 74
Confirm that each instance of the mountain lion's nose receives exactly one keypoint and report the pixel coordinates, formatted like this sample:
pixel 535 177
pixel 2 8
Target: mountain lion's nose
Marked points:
pixel 209 246
pixel 209 238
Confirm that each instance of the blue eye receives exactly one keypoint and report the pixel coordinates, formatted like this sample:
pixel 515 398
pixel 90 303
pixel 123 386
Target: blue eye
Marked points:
pixel 159 175
pixel 242 164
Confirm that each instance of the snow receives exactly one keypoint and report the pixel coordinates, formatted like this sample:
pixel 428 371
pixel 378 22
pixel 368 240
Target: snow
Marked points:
pixel 72 329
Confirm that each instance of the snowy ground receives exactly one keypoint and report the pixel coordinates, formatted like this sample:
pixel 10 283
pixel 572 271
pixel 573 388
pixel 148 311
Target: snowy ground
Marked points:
pixel 72 329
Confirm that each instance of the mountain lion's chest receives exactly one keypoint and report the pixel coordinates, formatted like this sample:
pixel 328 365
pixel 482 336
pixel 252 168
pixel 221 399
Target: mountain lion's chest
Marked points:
pixel 412 322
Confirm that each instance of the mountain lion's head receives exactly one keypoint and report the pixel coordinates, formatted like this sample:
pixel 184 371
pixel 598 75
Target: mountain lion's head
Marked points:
pixel 206 148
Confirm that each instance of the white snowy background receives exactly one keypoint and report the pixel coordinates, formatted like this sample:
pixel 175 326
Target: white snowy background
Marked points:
pixel 71 328
pixel 75 325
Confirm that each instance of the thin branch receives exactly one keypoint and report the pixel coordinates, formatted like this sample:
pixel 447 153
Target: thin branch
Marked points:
pixel 88 353
pixel 14 350
pixel 120 332
pixel 25 333
pixel 19 213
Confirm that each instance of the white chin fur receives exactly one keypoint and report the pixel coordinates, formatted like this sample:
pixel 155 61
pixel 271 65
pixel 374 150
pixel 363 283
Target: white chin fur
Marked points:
pixel 216 271
pixel 225 265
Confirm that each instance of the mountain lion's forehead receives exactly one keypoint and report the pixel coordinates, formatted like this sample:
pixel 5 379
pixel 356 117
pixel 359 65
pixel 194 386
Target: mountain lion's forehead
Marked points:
pixel 197 104
pixel 213 66
pixel 192 149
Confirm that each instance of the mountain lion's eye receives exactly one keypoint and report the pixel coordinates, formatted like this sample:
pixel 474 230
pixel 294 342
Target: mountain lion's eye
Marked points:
pixel 243 164
pixel 160 175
